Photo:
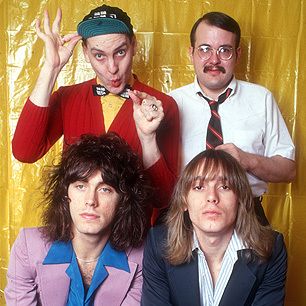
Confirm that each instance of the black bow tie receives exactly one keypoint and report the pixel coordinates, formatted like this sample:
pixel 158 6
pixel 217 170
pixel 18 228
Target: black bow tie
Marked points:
pixel 100 90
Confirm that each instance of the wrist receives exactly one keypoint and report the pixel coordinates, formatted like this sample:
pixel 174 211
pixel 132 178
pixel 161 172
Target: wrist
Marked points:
pixel 147 139
pixel 50 70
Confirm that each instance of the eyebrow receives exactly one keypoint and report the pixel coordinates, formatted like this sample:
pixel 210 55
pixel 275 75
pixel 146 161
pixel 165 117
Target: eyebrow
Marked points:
pixel 115 50
pixel 208 45
pixel 204 178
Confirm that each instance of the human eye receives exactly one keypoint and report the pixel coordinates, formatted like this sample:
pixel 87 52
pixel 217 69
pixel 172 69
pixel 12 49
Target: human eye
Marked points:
pixel 225 187
pixel 80 186
pixel 225 51
pixel 197 186
pixel 121 53
pixel 204 49
pixel 99 56
pixel 105 189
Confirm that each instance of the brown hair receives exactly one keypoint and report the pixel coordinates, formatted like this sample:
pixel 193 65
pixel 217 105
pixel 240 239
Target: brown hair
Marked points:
pixel 120 168
pixel 255 236
pixel 219 20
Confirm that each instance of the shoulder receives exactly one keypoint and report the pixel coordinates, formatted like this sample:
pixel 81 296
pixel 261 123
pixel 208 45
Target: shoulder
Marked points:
pixel 252 88
pixel 159 231
pixel 157 237
pixel 154 252
pixel 80 87
pixel 31 241
pixel 279 249
pixel 185 96
pixel 31 234
pixel 182 91
pixel 135 254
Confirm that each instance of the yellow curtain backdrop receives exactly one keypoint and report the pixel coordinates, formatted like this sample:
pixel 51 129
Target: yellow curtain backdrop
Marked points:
pixel 274 55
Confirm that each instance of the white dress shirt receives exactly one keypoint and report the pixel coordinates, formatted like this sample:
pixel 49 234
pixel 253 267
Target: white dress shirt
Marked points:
pixel 250 119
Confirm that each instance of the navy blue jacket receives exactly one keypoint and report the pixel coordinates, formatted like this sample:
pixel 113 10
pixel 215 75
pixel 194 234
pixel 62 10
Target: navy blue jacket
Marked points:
pixel 251 283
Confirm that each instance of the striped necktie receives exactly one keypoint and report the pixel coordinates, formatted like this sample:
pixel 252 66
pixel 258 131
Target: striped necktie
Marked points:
pixel 214 136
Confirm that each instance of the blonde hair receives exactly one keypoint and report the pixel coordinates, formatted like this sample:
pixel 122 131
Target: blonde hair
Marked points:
pixel 179 241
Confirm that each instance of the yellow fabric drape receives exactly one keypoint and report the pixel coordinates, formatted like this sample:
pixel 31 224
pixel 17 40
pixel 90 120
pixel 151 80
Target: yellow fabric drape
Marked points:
pixel 273 55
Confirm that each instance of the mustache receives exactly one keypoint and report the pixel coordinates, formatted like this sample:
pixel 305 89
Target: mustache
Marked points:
pixel 210 67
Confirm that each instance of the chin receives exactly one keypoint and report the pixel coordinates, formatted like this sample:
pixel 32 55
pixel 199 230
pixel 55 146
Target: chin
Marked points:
pixel 116 90
pixel 89 230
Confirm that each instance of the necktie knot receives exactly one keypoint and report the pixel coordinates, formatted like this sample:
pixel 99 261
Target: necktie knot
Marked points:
pixel 214 135
pixel 213 105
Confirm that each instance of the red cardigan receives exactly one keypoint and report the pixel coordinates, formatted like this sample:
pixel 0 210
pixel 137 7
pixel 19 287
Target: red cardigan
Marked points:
pixel 74 110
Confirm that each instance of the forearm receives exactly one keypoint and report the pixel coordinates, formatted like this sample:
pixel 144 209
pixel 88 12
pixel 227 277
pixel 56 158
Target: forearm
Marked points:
pixel 41 93
pixel 163 181
pixel 150 151
pixel 275 169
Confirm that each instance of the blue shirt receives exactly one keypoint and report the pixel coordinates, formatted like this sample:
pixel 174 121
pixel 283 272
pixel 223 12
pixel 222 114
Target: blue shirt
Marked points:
pixel 62 252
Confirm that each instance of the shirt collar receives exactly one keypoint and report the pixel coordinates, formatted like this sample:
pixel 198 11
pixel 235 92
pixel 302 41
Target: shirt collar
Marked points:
pixel 61 252
pixel 195 243
pixel 232 85
pixel 234 245
pixel 113 258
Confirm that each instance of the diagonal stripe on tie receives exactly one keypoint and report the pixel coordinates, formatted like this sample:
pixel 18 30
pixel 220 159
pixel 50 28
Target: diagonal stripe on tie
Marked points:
pixel 215 114
pixel 215 132
pixel 214 136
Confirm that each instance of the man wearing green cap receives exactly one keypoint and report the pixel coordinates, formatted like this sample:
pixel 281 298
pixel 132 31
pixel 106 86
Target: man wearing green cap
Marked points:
pixel 115 100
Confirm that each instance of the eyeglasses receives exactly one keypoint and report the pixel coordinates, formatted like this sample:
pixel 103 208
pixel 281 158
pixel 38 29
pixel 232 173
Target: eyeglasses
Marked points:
pixel 224 53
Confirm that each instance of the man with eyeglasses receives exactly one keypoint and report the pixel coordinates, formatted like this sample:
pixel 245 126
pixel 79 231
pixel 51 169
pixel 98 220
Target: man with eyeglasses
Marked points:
pixel 218 111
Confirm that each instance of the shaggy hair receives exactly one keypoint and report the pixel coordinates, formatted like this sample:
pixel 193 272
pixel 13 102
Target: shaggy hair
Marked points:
pixel 258 238
pixel 120 168
pixel 219 20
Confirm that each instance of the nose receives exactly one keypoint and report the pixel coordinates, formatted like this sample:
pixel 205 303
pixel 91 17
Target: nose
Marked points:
pixel 215 57
pixel 91 199
pixel 212 196
pixel 112 65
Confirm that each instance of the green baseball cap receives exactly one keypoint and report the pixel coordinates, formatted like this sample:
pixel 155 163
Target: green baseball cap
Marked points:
pixel 105 20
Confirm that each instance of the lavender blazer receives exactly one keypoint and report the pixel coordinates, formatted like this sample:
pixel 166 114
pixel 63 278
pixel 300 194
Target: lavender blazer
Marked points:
pixel 31 283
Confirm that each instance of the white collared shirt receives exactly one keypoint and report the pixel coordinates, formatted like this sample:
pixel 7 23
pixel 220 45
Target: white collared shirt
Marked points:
pixel 250 119
pixel 209 295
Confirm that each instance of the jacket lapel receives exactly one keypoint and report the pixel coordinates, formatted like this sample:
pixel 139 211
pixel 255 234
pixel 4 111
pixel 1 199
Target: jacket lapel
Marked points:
pixel 181 279
pixel 54 284
pixel 116 285
pixel 241 282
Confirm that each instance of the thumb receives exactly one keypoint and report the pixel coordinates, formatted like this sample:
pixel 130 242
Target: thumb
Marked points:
pixel 73 40
pixel 134 96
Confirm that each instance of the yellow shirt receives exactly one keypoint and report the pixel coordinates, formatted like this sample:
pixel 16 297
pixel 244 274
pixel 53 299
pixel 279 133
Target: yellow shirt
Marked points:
pixel 110 104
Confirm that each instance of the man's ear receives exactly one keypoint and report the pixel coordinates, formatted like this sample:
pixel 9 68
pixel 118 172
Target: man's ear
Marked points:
pixel 238 53
pixel 191 53
pixel 134 45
